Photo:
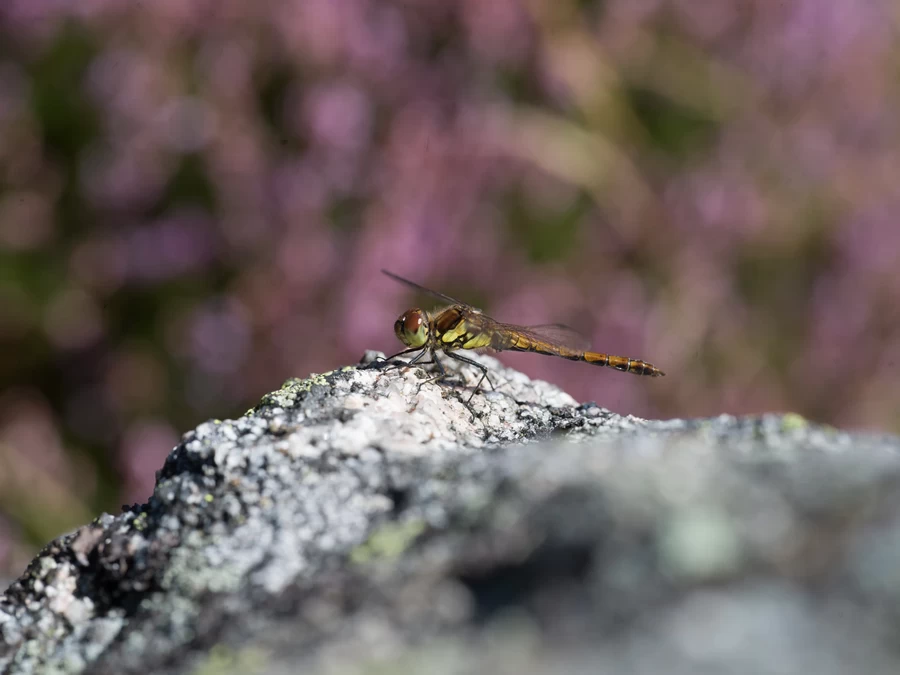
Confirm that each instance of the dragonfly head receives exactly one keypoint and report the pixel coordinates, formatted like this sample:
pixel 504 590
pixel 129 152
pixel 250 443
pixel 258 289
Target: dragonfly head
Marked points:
pixel 412 328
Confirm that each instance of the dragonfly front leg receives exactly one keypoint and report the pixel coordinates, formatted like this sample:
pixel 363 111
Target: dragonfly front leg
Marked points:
pixel 442 376
pixel 386 362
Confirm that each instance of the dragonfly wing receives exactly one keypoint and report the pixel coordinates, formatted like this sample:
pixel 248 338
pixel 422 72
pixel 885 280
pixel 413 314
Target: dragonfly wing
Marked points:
pixel 440 296
pixel 555 333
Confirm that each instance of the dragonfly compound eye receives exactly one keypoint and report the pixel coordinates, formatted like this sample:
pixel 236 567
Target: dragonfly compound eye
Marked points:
pixel 411 328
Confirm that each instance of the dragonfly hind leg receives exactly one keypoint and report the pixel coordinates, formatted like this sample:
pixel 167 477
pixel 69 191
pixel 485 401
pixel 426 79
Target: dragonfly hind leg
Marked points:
pixel 482 368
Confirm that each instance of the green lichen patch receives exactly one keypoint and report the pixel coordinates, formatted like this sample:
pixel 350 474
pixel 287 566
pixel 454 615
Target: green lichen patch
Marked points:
pixel 292 391
pixel 388 542
pixel 792 421
pixel 223 660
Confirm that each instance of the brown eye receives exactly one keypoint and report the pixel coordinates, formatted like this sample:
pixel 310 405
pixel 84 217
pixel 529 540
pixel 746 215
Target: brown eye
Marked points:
pixel 412 322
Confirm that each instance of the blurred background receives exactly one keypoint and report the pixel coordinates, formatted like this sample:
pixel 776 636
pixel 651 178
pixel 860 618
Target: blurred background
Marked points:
pixel 196 199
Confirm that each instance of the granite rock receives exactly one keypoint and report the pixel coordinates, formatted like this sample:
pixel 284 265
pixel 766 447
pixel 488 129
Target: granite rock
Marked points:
pixel 369 521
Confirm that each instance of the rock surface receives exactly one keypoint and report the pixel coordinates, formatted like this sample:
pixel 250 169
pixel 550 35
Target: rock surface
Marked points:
pixel 369 521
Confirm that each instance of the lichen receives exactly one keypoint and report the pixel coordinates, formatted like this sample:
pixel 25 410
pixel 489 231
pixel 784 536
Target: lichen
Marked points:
pixel 387 542
pixel 792 421
pixel 292 390
pixel 222 660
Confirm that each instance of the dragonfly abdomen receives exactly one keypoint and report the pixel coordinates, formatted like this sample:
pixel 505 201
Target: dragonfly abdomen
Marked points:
pixel 522 343
pixel 622 363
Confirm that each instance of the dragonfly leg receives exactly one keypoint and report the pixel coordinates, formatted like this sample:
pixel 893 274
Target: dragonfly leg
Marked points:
pixel 415 360
pixel 437 378
pixel 387 361
pixel 434 360
pixel 483 369
pixel 444 377
pixel 440 377
pixel 442 372
pixel 385 364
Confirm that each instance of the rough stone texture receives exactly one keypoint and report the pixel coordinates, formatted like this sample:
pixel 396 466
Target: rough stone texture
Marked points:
pixel 370 522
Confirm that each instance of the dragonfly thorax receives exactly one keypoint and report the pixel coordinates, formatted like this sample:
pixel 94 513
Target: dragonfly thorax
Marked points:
pixel 412 328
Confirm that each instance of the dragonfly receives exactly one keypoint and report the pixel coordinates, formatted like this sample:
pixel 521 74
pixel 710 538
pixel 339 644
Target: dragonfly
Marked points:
pixel 460 326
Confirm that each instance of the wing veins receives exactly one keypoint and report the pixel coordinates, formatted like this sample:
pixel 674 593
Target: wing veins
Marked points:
pixel 556 334
pixel 428 291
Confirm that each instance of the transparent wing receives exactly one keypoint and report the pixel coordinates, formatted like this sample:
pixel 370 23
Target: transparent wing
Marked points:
pixel 440 296
pixel 555 333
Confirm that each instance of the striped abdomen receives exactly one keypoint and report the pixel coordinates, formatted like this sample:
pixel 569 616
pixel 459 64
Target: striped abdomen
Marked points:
pixel 518 342
pixel 623 363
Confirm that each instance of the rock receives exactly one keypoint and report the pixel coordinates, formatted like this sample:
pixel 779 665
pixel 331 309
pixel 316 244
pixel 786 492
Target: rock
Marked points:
pixel 370 521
